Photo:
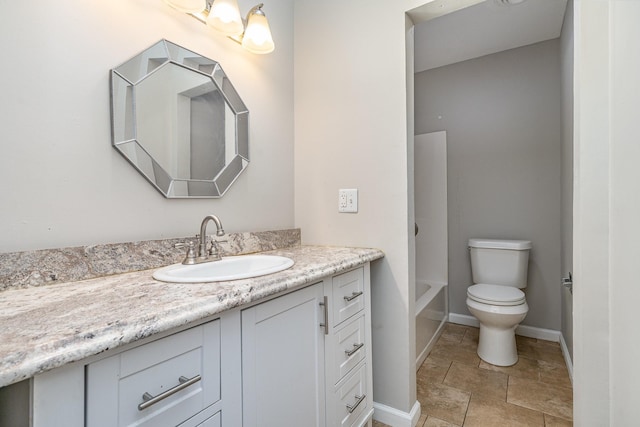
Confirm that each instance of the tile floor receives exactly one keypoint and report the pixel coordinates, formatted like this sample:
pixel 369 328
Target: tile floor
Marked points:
pixel 456 388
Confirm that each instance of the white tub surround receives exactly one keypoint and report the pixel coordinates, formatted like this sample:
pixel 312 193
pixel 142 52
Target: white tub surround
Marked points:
pixel 431 316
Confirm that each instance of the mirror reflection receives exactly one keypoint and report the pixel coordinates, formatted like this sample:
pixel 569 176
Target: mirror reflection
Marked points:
pixel 177 118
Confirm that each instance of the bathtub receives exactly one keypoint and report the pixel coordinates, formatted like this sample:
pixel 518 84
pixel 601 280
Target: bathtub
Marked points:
pixel 431 315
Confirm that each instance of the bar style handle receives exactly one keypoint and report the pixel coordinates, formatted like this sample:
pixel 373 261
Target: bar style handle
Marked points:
pixel 359 400
pixel 150 400
pixel 355 348
pixel 353 296
pixel 325 325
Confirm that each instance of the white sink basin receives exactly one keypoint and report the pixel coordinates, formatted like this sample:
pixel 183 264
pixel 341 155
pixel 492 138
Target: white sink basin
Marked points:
pixel 228 268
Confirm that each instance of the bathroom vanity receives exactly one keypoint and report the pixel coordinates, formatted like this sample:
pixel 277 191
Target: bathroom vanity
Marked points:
pixel 290 348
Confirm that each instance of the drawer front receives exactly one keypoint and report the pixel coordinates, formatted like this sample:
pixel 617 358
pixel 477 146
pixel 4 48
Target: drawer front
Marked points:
pixel 348 295
pixel 214 421
pixel 349 347
pixel 351 399
pixel 160 380
pixel 162 383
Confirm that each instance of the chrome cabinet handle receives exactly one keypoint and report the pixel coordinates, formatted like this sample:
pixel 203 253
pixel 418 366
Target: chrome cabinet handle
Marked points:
pixel 355 348
pixel 353 296
pixel 149 400
pixel 353 407
pixel 325 325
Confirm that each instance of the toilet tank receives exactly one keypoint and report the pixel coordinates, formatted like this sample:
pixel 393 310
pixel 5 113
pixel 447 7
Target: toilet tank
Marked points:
pixel 500 262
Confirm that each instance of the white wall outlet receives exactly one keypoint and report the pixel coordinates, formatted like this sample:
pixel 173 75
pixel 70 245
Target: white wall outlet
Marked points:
pixel 348 200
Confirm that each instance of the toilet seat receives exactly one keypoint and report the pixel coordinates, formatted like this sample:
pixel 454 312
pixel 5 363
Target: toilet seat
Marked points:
pixel 496 294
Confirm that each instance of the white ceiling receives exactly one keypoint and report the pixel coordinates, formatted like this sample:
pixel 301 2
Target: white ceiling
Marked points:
pixel 450 31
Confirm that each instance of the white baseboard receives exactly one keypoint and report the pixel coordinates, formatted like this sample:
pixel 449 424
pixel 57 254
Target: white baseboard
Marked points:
pixel 463 319
pixel 525 331
pixel 567 357
pixel 394 417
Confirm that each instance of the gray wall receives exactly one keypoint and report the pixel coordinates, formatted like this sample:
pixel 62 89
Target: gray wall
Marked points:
pixel 566 67
pixel 502 114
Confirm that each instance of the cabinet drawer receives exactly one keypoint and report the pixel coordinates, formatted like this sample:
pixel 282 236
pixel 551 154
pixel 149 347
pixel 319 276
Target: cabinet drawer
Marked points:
pixel 351 399
pixel 349 347
pixel 179 376
pixel 348 295
pixel 212 422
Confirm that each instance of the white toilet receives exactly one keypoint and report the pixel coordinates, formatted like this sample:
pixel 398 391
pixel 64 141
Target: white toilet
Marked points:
pixel 499 269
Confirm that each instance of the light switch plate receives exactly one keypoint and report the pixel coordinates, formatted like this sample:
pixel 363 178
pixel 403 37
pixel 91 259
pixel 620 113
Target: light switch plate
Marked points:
pixel 348 200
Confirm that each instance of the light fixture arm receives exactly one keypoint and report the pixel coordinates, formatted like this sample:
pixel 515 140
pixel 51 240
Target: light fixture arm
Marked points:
pixel 255 9
pixel 202 17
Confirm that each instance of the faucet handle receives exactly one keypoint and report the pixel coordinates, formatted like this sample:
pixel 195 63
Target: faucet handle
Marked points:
pixel 214 251
pixel 191 252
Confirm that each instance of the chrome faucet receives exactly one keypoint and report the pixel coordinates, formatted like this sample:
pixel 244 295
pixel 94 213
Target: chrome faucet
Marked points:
pixel 203 253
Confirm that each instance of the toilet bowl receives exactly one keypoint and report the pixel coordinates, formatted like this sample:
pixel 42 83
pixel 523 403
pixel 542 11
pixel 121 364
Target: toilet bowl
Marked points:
pixel 499 309
pixel 499 270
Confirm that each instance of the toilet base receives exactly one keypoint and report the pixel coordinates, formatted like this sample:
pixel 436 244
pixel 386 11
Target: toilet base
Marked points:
pixel 497 342
pixel 498 346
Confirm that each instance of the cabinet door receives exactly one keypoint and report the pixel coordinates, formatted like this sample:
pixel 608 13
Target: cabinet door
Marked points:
pixel 283 361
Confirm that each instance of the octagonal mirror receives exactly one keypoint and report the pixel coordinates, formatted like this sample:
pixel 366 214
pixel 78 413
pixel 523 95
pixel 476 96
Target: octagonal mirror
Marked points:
pixel 179 121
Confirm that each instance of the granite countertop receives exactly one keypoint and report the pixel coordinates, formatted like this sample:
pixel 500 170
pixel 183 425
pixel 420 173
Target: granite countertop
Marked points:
pixel 46 327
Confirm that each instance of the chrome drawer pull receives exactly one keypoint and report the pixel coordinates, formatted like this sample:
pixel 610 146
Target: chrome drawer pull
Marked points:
pixel 355 348
pixel 353 296
pixel 355 405
pixel 149 400
pixel 325 325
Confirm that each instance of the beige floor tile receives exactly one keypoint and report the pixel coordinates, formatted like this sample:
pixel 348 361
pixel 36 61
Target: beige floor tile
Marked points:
pixel 435 422
pixel 470 339
pixel 485 412
pixel 539 350
pixel 554 374
pixel 487 383
pixel 550 344
pixel 472 332
pixel 433 370
pixel 524 340
pixel 553 400
pixel 446 403
pixel 453 383
pixel 422 420
pixel 551 421
pixel 453 333
pixel 454 352
pixel 524 368
pixel 379 424
pixel 471 347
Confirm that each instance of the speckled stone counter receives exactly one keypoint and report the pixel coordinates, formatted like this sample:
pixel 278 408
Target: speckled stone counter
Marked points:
pixel 52 266
pixel 46 327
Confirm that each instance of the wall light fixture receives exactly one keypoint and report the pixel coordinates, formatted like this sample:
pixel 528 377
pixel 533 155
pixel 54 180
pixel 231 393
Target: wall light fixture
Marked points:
pixel 253 33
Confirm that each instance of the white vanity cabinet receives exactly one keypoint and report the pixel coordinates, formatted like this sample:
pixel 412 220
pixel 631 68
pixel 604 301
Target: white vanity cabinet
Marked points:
pixel 306 356
pixel 302 358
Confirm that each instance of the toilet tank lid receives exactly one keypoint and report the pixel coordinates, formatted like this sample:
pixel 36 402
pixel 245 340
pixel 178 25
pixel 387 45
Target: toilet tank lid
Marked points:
pixel 514 245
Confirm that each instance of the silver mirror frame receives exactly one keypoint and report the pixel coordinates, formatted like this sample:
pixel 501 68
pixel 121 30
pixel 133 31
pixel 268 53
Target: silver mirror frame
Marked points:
pixel 127 121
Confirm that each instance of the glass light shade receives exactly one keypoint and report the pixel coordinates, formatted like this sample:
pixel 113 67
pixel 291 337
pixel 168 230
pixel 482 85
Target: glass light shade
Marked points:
pixel 188 6
pixel 257 37
pixel 225 18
